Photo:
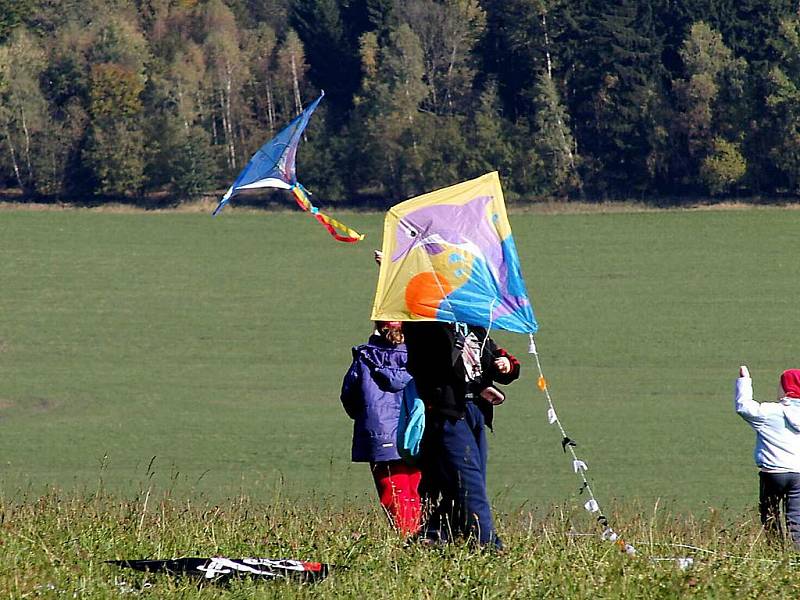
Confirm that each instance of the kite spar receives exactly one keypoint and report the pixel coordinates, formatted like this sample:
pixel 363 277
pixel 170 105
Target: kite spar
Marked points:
pixel 449 255
pixel 273 166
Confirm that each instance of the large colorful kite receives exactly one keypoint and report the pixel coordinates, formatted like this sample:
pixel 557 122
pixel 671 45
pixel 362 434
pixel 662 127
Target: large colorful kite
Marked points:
pixel 449 256
pixel 273 166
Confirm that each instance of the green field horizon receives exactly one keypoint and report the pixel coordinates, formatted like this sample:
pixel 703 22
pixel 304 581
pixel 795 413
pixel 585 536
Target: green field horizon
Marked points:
pixel 200 356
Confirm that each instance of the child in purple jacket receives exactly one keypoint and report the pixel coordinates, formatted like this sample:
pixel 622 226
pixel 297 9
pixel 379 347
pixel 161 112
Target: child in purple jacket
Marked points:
pixel 372 392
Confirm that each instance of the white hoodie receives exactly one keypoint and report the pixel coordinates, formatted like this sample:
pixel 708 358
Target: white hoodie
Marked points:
pixel 777 426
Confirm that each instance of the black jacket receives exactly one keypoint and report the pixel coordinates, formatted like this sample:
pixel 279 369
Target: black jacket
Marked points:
pixel 438 369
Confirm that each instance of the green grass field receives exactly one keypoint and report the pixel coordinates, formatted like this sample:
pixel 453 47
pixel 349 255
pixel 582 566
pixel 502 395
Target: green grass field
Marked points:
pixel 175 378
pixel 217 346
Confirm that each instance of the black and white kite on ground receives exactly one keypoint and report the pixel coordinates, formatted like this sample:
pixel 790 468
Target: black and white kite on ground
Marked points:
pixel 220 569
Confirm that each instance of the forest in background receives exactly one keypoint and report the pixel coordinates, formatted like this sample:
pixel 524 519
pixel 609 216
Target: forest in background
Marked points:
pixel 567 99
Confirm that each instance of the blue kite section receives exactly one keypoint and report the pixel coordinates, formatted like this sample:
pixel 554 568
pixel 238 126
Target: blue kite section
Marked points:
pixel 276 158
pixel 484 301
pixel 516 284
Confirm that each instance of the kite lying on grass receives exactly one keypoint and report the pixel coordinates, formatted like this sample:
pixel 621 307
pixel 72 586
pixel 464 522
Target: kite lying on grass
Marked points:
pixel 449 256
pixel 273 166
pixel 219 569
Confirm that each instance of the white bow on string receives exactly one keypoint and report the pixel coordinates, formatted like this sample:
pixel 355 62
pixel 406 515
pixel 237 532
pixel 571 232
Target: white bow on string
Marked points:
pixel 579 466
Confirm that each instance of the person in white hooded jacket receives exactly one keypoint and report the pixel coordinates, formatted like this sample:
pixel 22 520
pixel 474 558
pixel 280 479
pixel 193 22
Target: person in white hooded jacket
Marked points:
pixel 777 451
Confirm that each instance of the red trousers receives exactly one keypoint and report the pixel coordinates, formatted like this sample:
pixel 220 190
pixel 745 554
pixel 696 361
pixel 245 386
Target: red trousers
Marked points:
pixel 397 485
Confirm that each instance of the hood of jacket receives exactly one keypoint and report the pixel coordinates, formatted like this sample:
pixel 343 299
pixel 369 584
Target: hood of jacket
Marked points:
pixel 387 363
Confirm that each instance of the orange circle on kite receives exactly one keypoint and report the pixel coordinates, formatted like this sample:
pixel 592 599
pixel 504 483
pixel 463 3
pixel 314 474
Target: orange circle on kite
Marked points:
pixel 425 292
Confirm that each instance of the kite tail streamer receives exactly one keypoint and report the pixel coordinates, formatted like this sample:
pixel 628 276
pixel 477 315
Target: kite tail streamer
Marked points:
pixel 351 236
pixel 579 466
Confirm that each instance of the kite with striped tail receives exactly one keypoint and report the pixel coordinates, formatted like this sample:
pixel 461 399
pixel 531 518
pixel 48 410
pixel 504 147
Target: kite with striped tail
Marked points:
pixel 273 166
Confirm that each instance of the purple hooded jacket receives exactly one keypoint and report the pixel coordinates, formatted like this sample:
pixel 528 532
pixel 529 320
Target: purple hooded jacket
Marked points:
pixel 372 392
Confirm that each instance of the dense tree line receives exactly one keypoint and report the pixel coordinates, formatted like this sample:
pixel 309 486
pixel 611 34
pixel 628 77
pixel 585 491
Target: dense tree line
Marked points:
pixel 566 98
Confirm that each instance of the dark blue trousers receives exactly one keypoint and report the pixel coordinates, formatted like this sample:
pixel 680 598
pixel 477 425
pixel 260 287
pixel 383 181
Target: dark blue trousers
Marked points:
pixel 454 454
pixel 776 489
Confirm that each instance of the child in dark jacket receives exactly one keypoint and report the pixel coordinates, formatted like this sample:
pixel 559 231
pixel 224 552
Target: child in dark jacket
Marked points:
pixel 372 392
pixel 455 367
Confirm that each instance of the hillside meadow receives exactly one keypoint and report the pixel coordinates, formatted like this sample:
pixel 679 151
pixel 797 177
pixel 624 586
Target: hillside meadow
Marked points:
pixel 196 362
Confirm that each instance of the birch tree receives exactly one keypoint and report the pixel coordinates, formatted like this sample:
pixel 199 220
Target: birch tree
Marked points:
pixel 224 76
pixel 448 32
pixel 261 43
pixel 24 118
pixel 290 74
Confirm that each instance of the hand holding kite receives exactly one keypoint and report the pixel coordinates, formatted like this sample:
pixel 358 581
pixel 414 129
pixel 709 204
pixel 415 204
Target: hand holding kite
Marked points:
pixel 503 365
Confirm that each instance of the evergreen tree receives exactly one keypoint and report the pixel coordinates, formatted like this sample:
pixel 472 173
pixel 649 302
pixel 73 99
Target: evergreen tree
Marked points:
pixel 272 13
pixel 378 16
pixel 554 141
pixel 388 111
pixel 47 17
pixel 514 51
pixel 528 177
pixel 746 25
pixel 120 42
pixel 65 83
pixel 671 22
pixel 12 13
pixel 192 165
pixel 174 92
pixel 487 139
pixel 783 106
pixel 441 149
pixel 331 53
pixel 323 160
pixel 114 153
pixel 616 92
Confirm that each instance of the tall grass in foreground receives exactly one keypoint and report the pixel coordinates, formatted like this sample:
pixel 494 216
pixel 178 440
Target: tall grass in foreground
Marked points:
pixel 55 546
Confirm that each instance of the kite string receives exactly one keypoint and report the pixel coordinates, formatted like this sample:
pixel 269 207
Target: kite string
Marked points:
pixel 579 466
pixel 491 324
